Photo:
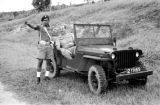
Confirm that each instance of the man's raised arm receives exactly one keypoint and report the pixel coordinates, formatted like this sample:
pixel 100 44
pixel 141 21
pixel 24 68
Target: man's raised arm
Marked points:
pixel 31 26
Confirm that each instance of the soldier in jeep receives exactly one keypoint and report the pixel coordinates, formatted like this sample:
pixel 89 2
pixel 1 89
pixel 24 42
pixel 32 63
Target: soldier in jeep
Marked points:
pixel 66 43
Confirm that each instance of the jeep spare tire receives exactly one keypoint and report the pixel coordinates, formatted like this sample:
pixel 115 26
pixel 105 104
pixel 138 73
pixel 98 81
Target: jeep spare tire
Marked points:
pixel 97 79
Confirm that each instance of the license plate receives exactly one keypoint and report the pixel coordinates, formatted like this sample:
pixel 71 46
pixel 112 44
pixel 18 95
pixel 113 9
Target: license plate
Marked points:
pixel 133 70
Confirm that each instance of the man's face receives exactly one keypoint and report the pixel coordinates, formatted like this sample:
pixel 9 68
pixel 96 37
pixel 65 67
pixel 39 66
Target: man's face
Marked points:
pixel 63 31
pixel 45 22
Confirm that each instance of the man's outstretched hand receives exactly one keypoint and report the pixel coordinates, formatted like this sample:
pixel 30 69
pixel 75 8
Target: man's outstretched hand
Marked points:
pixel 26 23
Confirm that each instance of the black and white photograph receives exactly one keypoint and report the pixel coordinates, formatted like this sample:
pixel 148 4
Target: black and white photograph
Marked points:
pixel 79 52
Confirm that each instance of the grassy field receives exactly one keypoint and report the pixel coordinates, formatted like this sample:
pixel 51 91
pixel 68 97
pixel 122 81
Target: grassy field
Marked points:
pixel 134 23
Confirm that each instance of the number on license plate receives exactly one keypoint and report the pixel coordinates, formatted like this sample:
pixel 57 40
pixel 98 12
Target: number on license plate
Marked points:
pixel 133 70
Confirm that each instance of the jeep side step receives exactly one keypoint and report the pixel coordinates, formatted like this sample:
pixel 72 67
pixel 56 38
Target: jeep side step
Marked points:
pixel 74 71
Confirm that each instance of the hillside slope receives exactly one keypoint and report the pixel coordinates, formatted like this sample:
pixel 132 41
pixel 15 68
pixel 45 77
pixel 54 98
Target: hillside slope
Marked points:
pixel 135 23
pixel 126 16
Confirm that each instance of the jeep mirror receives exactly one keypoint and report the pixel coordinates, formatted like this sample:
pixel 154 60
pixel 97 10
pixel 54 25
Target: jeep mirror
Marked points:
pixel 114 41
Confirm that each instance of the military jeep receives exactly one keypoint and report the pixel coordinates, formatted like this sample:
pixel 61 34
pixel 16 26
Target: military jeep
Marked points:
pixel 98 57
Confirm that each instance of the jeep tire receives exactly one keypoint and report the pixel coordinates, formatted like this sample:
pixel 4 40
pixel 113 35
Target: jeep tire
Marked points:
pixel 97 79
pixel 55 71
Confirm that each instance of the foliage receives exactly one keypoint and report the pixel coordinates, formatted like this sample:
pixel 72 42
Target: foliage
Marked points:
pixel 5 16
pixel 41 5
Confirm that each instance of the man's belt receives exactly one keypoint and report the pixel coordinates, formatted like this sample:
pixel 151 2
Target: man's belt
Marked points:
pixel 44 43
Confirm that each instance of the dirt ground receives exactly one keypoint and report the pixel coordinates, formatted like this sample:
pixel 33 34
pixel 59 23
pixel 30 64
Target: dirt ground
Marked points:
pixel 7 98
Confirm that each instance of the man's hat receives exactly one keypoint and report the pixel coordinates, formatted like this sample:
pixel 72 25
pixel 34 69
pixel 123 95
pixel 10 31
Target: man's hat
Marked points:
pixel 45 17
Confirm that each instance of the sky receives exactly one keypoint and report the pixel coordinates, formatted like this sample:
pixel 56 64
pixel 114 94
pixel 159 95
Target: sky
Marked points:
pixel 19 5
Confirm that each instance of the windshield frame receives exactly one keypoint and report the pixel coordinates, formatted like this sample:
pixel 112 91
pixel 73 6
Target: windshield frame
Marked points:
pixel 89 25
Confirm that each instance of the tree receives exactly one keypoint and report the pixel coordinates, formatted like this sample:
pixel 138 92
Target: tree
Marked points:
pixel 15 14
pixel 41 5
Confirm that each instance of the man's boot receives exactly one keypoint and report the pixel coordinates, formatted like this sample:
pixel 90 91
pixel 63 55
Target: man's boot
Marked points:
pixel 38 80
pixel 47 78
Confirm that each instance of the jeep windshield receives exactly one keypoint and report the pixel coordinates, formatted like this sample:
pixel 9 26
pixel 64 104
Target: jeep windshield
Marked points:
pixel 93 34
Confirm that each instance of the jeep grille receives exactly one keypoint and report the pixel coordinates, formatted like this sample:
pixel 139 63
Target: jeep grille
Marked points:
pixel 126 59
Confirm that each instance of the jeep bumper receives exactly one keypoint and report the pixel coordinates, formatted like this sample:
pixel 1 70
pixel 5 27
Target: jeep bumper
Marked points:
pixel 133 75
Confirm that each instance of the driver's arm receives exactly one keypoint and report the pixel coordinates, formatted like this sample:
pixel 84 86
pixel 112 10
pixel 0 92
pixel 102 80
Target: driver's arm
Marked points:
pixel 97 30
pixel 72 43
pixel 57 43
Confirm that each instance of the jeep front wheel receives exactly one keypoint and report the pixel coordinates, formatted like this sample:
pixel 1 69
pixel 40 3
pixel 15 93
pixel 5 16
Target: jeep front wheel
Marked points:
pixel 97 79
pixel 55 71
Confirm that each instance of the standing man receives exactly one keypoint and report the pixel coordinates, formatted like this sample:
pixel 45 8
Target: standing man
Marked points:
pixel 45 50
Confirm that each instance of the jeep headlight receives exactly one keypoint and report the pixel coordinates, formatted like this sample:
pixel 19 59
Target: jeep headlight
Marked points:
pixel 137 54
pixel 113 56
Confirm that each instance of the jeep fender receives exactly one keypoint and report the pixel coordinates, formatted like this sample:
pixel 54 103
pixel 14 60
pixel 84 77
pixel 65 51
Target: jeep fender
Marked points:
pixel 106 63
pixel 96 58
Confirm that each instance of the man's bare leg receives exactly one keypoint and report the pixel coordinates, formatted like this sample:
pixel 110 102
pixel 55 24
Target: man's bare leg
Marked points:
pixel 39 69
pixel 48 67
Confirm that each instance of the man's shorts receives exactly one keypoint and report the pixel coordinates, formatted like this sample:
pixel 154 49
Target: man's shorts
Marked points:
pixel 45 52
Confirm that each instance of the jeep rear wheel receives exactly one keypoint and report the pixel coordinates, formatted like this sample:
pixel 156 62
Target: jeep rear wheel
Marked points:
pixel 97 79
pixel 55 71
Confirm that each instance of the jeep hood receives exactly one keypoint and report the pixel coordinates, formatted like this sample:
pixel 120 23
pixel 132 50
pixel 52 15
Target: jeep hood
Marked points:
pixel 97 48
